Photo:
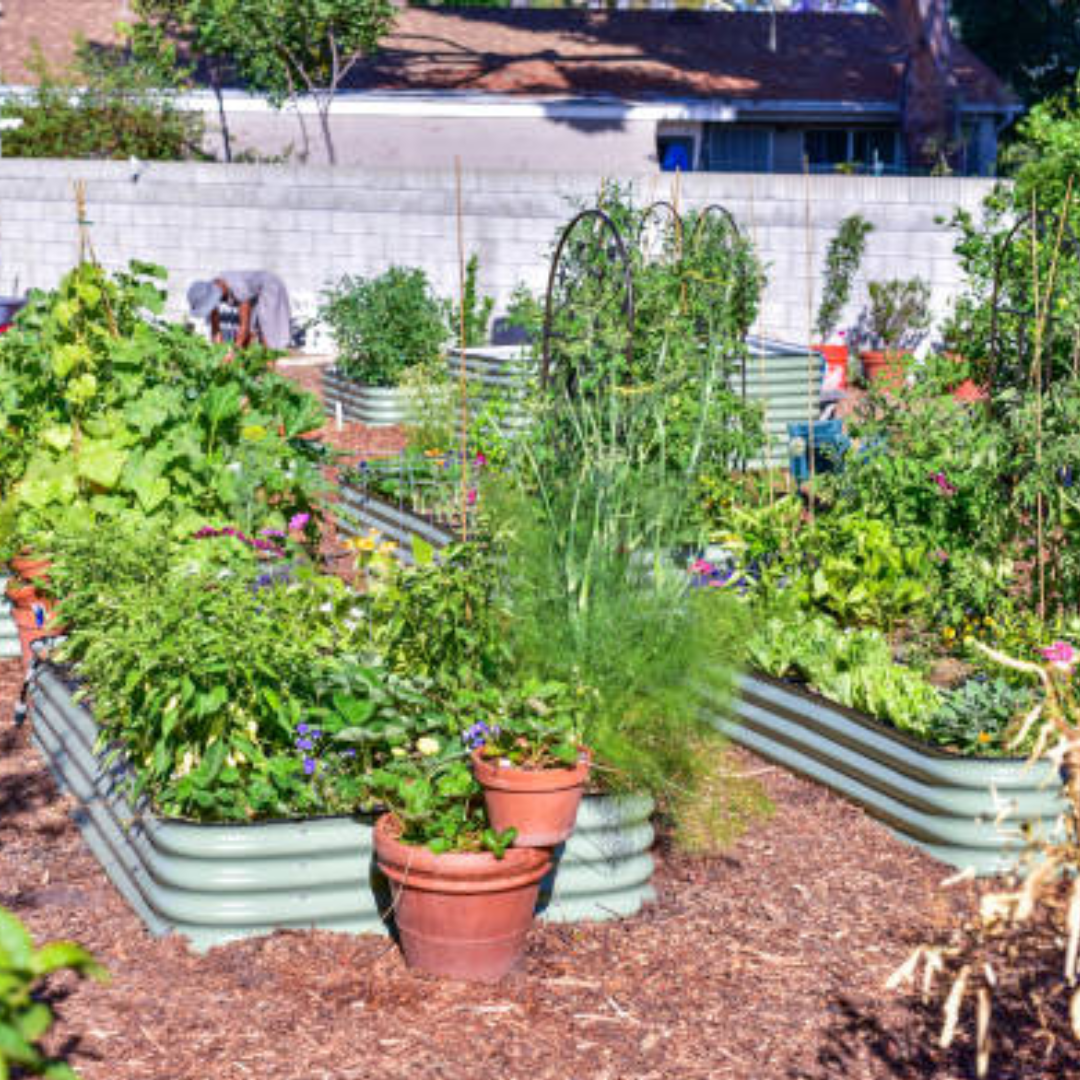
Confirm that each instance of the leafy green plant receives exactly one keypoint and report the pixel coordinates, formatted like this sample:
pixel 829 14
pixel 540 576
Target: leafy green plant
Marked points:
pixel 533 726
pixel 24 1018
pixel 898 314
pixel 384 325
pixel 980 716
pixel 476 308
pixel 108 105
pixel 122 416
pixel 842 259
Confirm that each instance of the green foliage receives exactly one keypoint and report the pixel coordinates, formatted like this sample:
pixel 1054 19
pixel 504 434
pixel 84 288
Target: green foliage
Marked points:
pixel 122 416
pixel 980 716
pixel 842 260
pixel 24 1018
pixel 852 668
pixel 477 309
pixel 898 316
pixel 108 105
pixel 384 325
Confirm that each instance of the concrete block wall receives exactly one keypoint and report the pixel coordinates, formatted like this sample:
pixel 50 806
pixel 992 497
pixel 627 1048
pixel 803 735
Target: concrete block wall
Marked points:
pixel 311 224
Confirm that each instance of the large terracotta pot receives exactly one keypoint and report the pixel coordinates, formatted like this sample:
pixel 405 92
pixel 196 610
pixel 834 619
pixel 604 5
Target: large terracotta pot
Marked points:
pixel 883 367
pixel 462 914
pixel 21 594
pixel 542 804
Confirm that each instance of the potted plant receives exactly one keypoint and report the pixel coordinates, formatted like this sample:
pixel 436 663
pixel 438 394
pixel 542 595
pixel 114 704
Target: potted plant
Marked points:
pixel 531 763
pixel 842 259
pixel 897 319
pixel 382 326
pixel 463 898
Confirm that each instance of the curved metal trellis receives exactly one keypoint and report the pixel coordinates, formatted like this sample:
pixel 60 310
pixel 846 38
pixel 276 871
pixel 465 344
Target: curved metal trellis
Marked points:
pixel 596 230
pixel 655 242
pixel 703 218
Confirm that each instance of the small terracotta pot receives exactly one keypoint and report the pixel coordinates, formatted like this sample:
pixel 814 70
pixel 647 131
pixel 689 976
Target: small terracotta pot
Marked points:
pixel 542 804
pixel 30 567
pixel 21 594
pixel 886 368
pixel 464 915
pixel 836 360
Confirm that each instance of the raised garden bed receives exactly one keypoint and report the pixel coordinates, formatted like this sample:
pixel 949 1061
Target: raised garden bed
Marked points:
pixel 215 883
pixel 374 406
pixel 358 511
pixel 941 802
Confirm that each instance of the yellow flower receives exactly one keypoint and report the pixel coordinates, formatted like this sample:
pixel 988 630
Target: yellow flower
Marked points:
pixel 427 745
pixel 397 752
pixel 948 633
pixel 387 548
pixel 360 543
pixel 983 737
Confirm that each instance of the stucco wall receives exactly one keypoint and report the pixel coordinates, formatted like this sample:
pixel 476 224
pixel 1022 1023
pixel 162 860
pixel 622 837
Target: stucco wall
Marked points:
pixel 312 224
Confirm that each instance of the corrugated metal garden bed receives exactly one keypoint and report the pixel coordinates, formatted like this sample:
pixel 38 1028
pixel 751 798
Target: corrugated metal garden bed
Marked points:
pixel 947 804
pixel 215 883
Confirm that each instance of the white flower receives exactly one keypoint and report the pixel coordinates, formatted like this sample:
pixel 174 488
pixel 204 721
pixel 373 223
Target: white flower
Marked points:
pixel 187 764
pixel 327 609
pixel 398 752
pixel 253 729
pixel 427 746
pixel 234 467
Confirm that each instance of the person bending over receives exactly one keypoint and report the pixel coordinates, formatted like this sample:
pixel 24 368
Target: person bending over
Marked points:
pixel 260 298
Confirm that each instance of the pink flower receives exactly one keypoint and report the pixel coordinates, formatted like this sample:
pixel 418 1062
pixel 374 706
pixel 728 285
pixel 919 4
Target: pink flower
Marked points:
pixel 298 522
pixel 701 566
pixel 940 556
pixel 480 460
pixel 1061 655
pixel 943 484
pixel 470 497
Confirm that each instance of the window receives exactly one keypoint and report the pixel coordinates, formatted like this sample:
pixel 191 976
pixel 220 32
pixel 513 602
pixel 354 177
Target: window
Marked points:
pixel 865 149
pixel 737 149
pixel 675 152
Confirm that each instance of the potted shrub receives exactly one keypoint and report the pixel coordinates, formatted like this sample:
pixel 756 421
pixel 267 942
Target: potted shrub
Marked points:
pixel 897 319
pixel 531 764
pixel 463 898
pixel 382 326
pixel 842 259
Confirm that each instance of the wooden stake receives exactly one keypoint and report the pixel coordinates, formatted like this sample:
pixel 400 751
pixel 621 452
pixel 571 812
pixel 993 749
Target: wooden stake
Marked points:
pixel 761 355
pixel 463 385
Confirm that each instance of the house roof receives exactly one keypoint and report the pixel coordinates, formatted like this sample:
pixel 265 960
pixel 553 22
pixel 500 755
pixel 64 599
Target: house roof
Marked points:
pixel 653 54
pixel 628 54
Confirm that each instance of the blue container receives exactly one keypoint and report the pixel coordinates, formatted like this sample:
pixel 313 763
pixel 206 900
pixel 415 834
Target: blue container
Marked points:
pixel 830 445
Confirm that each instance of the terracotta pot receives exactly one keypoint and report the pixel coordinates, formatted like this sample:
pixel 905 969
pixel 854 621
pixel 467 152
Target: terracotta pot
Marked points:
pixel 884 367
pixel 30 567
pixel 968 390
pixel 836 361
pixel 21 594
pixel 542 804
pixel 462 914
pixel 26 623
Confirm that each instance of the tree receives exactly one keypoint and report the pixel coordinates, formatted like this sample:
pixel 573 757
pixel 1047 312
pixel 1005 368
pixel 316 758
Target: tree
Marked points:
pixel 928 109
pixel 1033 44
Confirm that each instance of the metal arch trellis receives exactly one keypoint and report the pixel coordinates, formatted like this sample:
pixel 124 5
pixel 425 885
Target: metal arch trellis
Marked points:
pixel 616 266
pixel 703 217
pixel 1059 232
pixel 654 213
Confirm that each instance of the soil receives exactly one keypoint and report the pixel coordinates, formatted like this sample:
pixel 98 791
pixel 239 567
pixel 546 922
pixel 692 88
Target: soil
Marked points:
pixel 765 963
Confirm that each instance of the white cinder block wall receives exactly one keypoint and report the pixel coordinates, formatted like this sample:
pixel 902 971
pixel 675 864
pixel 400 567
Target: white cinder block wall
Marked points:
pixel 311 224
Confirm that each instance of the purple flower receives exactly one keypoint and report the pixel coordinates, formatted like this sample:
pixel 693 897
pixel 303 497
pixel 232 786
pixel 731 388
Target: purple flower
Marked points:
pixel 944 486
pixel 470 497
pixel 298 522
pixel 480 460
pixel 303 729
pixel 348 753
pixel 477 735
pixel 304 744
pixel 310 765
pixel 272 532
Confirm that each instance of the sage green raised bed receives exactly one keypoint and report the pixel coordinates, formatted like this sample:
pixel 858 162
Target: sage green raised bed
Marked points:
pixel 786 381
pixel 497 371
pixel 375 406
pixel 215 883
pixel 944 803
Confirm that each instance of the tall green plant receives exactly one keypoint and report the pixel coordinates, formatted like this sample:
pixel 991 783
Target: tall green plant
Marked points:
pixel 842 260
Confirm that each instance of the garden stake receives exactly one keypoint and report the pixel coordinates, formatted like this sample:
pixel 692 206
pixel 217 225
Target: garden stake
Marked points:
pixel 463 387
pixel 809 239
pixel 760 354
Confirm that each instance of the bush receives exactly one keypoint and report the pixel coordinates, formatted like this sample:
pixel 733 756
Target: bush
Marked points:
pixel 384 325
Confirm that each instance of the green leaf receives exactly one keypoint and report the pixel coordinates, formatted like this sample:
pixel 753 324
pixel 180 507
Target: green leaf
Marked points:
pixel 16 946
pixel 67 954
pixel 423 553
pixel 101 463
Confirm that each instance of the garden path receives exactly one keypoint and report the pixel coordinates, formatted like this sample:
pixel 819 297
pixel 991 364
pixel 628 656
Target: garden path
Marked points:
pixel 767 963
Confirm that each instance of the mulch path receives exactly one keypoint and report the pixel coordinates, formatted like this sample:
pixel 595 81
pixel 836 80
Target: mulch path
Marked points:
pixel 767 963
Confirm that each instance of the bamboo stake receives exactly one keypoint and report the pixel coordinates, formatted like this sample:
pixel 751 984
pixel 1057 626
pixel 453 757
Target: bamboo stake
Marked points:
pixel 761 354
pixel 463 386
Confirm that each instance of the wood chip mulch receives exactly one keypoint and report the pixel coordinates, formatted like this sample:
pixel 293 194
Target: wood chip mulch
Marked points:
pixel 766 963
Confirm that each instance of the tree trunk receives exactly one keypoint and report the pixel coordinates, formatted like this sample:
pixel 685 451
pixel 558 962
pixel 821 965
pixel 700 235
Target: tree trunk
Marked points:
pixel 323 103
pixel 929 115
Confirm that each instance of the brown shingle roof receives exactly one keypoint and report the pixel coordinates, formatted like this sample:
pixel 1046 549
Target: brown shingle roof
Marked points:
pixel 635 54
pixel 571 52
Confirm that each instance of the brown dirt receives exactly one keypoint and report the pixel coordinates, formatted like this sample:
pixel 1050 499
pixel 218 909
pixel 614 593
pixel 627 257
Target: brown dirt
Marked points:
pixel 764 964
